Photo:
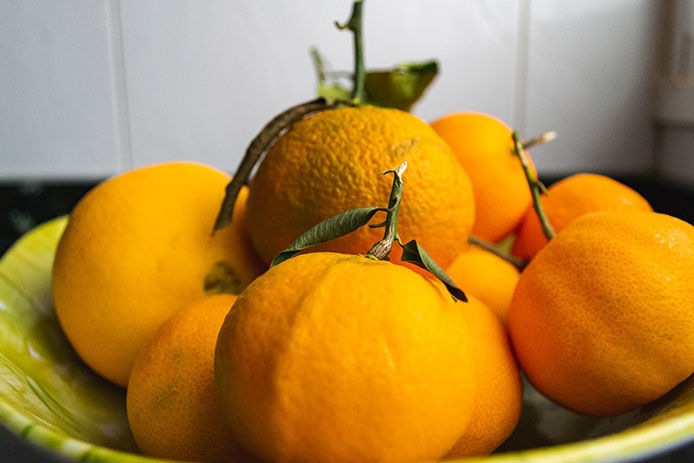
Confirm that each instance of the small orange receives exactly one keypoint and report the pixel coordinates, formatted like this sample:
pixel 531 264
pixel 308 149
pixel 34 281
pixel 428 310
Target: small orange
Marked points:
pixel 340 358
pixel 569 199
pixel 483 145
pixel 487 276
pixel 499 395
pixel 172 403
pixel 328 163
pixel 601 319
pixel 136 249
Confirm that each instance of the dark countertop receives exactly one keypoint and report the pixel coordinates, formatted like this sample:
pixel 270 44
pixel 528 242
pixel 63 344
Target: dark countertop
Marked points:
pixel 26 204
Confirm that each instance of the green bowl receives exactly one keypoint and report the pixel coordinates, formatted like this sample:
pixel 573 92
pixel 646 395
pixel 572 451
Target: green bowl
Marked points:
pixel 49 397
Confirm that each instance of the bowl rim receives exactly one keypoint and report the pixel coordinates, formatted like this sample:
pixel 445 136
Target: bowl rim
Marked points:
pixel 632 444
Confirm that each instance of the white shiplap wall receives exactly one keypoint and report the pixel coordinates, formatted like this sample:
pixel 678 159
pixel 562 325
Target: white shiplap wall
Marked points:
pixel 91 87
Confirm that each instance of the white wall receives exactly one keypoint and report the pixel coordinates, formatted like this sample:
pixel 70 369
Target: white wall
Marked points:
pixel 91 87
pixel 674 104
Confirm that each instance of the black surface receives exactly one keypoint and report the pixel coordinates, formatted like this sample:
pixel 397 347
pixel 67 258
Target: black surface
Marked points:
pixel 14 449
pixel 25 205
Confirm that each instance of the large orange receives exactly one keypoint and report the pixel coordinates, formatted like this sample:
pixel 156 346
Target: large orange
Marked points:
pixel 172 403
pixel 136 249
pixel 339 358
pixel 486 276
pixel 329 163
pixel 499 394
pixel 601 319
pixel 569 199
pixel 483 145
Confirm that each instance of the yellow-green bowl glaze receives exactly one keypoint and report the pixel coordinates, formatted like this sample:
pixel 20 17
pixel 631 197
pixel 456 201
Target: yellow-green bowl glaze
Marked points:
pixel 49 397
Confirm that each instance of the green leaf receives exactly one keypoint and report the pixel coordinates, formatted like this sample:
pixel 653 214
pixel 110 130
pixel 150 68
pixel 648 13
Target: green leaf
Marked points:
pixel 333 92
pixel 413 253
pixel 400 87
pixel 329 229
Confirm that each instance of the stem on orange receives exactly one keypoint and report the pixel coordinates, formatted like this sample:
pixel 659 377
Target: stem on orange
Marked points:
pixel 496 250
pixel 536 187
pixel 540 139
pixel 258 146
pixel 382 248
pixel 348 221
pixel 412 252
pixel 354 24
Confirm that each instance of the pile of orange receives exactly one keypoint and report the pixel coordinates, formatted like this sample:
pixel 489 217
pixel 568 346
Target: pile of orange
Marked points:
pixel 344 354
pixel 336 356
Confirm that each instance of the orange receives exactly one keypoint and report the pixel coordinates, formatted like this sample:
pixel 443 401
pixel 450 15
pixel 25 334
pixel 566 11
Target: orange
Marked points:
pixel 340 358
pixel 487 276
pixel 136 249
pixel 499 395
pixel 601 319
pixel 483 145
pixel 569 199
pixel 329 163
pixel 172 404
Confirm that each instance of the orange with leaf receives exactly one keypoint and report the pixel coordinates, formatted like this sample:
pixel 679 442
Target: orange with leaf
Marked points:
pixel 314 148
pixel 297 184
pixel 337 357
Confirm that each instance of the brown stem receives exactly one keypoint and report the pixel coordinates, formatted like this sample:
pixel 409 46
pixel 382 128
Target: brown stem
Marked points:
pixel 382 248
pixel 540 140
pixel 259 145
pixel 536 187
pixel 496 250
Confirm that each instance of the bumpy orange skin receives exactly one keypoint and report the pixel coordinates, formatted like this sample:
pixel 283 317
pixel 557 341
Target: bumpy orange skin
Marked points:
pixel 172 403
pixel 340 358
pixel 499 395
pixel 136 249
pixel 569 199
pixel 601 319
pixel 487 276
pixel 482 144
pixel 329 163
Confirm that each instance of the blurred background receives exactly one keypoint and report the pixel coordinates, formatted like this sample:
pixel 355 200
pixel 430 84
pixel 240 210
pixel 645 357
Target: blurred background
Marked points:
pixel 89 88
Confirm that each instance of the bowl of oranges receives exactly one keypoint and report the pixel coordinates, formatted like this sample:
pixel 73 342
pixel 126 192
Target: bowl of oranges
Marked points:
pixel 133 333
pixel 380 289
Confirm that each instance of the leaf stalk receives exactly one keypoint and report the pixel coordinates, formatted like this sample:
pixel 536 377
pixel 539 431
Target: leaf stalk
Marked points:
pixel 517 262
pixel 354 24
pixel 537 188
pixel 259 146
pixel 382 248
